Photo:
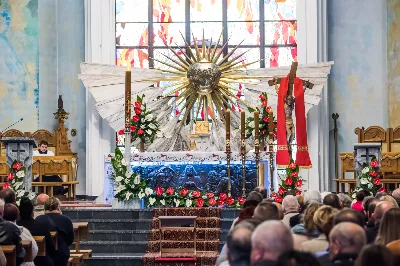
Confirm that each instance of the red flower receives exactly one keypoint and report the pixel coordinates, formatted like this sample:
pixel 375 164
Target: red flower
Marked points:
pixel 295 174
pixel 273 195
pixel 241 200
pixel 6 185
pixel 298 192
pixel 184 192
pixel 264 103
pixel 269 109
pixel 373 173
pixel 212 202
pixel 288 181
pixel 264 132
pixel 382 189
pixel 10 176
pixel 17 166
pixel 292 166
pixel 230 200
pixel 210 195
pixel 196 194
pixel 199 202
pixel 279 199
pixel 133 128
pixel 221 202
pixel 135 118
pixel 138 104
pixel 281 190
pixel 222 196
pixel 266 119
pixel 377 181
pixel 169 191
pixel 140 131
pixel 299 183
pixel 262 97
pixel 121 132
pixel 138 111
pixel 158 191
pixel 374 163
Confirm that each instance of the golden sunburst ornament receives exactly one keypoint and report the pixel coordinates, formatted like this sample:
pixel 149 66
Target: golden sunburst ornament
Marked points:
pixel 202 77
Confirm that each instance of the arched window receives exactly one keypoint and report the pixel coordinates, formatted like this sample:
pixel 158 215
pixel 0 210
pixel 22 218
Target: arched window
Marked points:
pixel 267 28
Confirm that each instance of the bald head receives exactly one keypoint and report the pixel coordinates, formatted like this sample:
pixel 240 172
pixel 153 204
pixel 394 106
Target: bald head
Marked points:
pixel 290 204
pixel 41 199
pixel 239 243
pixel 346 238
pixel 380 210
pixel 270 240
pixel 266 211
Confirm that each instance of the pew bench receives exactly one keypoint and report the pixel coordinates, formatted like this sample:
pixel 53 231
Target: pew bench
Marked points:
pixel 55 239
pixel 27 245
pixel 70 261
pixel 81 231
pixel 77 259
pixel 11 254
pixel 41 243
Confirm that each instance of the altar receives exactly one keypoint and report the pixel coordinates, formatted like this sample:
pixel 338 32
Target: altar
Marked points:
pixel 198 170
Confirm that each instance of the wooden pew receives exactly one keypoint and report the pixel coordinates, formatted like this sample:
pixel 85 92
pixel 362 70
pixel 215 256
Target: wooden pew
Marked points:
pixel 27 244
pixel 77 259
pixel 70 261
pixel 11 254
pixel 55 239
pixel 41 243
pixel 81 231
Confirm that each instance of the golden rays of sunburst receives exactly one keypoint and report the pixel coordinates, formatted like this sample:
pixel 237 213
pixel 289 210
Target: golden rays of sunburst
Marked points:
pixel 203 77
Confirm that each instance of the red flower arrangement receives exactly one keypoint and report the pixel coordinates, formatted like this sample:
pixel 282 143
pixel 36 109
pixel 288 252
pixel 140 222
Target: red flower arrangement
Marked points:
pixel 369 179
pixel 291 184
pixel 263 119
pixel 15 180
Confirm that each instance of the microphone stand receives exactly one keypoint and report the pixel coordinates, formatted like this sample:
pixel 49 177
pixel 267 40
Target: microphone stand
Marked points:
pixel 1 132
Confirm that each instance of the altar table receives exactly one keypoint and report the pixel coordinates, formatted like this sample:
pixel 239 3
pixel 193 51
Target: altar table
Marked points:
pixel 202 170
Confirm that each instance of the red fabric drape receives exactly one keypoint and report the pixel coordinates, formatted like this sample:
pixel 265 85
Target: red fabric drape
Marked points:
pixel 282 155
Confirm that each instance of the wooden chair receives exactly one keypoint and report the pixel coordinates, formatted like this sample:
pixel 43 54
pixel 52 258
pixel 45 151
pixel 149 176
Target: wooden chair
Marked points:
pixel 11 254
pixel 41 243
pixel 27 245
pixel 81 231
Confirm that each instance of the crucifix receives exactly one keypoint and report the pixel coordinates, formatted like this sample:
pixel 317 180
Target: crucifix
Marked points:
pixel 18 151
pixel 289 102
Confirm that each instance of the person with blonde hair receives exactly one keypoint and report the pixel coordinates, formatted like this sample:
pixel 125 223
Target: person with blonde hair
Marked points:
pixel 389 229
pixel 390 199
pixel 306 230
pixel 323 219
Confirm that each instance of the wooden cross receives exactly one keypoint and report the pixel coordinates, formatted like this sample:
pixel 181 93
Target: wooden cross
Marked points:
pixel 292 75
pixel 18 151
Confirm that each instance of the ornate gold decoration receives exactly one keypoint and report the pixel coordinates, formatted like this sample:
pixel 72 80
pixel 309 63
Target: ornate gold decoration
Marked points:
pixel 192 141
pixel 202 127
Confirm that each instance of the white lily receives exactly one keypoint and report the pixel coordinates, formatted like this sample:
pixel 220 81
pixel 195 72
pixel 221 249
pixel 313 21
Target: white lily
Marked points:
pixel 136 181
pixel 141 195
pixel 128 174
pixel 149 116
pixel 152 126
pixel 177 202
pixel 31 196
pixel 151 201
pixel 17 185
pixel 365 170
pixel 128 195
pixel 364 181
pixel 188 203
pixel 162 202
pixel 148 132
pixel 123 162
pixel 148 191
pixel 20 174
pixel 119 178
pixel 251 124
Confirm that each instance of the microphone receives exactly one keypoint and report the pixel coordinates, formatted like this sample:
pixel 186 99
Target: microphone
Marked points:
pixel 11 125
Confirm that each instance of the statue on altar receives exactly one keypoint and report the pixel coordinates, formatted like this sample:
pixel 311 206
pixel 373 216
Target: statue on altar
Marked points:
pixel 163 177
pixel 189 179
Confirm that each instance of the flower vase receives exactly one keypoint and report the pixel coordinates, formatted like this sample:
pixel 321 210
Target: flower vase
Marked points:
pixel 141 146
pixel 126 204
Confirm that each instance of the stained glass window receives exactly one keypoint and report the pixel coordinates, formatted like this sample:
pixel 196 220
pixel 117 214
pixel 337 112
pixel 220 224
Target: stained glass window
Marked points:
pixel 267 28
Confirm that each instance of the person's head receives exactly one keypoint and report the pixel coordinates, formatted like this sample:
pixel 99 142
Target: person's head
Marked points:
pixel 349 216
pixel 379 195
pixel 41 199
pixel 371 207
pixel 300 200
pixel 346 238
pixel 8 195
pixel 345 200
pixel 309 216
pixel 266 211
pixel 389 229
pixel 380 210
pixel 52 204
pixel 2 207
pixel 11 212
pixel 396 195
pixel 390 199
pixel 366 201
pixel 239 243
pixel 246 213
pixel 253 199
pixel 323 219
pixel 26 209
pixel 360 196
pixel 290 204
pixel 262 191
pixel 324 194
pixel 297 258
pixel 312 196
pixel 372 255
pixel 270 240
pixel 332 200
pixel 43 145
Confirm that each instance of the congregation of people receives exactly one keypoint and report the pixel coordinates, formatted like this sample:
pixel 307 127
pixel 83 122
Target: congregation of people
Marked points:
pixel 315 229
pixel 34 218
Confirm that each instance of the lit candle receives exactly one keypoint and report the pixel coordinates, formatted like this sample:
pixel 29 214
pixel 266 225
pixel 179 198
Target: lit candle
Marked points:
pixel 228 123
pixel 270 120
pixel 243 124
pixel 128 77
pixel 256 123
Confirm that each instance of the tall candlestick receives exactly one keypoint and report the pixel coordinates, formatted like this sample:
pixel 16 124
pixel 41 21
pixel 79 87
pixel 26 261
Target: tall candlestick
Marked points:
pixel 270 120
pixel 128 78
pixel 243 151
pixel 271 148
pixel 256 122
pixel 243 124
pixel 228 148
pixel 228 122
pixel 257 145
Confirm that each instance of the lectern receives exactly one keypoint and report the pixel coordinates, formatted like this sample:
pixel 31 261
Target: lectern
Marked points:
pixel 21 149
pixel 363 153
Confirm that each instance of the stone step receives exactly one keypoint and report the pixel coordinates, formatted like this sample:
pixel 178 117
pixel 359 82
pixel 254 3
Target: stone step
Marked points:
pixel 119 235
pixel 113 247
pixel 116 224
pixel 107 214
pixel 117 259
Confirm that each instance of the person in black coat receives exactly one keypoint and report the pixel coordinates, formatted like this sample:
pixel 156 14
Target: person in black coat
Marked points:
pixel 55 221
pixel 37 229
pixel 10 234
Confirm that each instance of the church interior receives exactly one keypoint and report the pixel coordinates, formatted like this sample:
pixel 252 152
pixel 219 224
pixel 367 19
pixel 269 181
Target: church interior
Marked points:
pixel 267 129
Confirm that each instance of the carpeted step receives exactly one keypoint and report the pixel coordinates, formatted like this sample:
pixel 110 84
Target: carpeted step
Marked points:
pixel 202 234
pixel 202 258
pixel 154 246
pixel 116 259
